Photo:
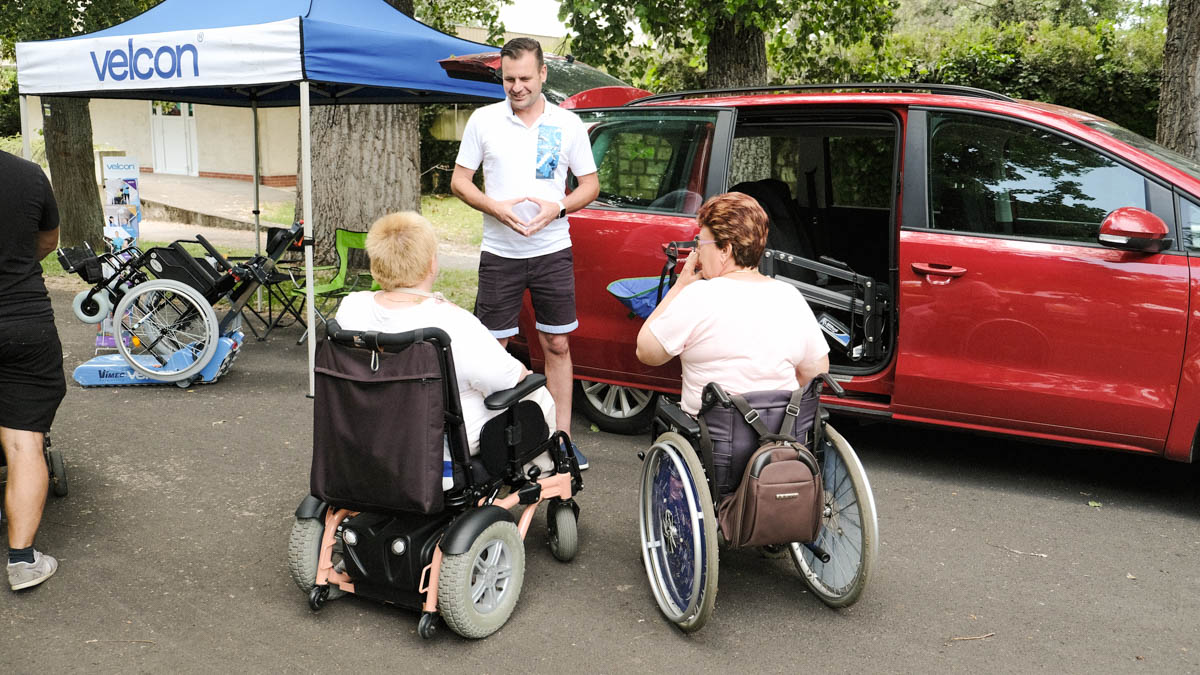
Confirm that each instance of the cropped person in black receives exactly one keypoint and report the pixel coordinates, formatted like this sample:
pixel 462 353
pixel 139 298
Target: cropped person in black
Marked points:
pixel 31 365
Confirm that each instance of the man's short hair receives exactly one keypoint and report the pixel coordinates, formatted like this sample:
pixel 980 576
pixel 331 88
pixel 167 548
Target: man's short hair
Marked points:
pixel 514 48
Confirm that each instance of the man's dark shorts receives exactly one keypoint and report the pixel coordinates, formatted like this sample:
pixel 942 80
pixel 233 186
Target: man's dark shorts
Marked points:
pixel 31 375
pixel 550 279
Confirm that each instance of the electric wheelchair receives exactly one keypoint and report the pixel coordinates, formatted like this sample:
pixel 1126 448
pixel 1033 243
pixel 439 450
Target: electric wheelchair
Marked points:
pixel 680 537
pixel 162 300
pixel 399 511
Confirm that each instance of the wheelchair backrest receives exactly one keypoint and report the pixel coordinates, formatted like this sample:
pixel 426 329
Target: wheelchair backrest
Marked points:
pixel 174 262
pixel 734 440
pixel 386 406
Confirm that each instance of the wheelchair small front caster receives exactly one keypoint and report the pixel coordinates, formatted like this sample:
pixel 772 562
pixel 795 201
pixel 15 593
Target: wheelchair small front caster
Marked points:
pixel 317 597
pixel 427 626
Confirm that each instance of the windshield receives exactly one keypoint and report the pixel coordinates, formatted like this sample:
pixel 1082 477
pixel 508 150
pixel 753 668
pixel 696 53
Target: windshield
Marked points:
pixel 1147 146
pixel 565 78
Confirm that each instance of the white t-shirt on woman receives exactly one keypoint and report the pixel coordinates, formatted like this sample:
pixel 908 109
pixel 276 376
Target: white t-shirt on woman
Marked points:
pixel 744 335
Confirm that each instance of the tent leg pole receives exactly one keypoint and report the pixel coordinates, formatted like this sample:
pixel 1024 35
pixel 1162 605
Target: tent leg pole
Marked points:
pixel 26 143
pixel 257 223
pixel 306 168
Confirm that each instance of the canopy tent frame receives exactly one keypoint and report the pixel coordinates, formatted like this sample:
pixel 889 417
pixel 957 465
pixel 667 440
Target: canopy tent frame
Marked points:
pixel 345 52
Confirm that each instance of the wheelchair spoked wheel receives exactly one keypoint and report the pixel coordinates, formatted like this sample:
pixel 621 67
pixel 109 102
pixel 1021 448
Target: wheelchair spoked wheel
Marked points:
pixel 849 532
pixel 478 590
pixel 166 330
pixel 678 532
pixel 304 556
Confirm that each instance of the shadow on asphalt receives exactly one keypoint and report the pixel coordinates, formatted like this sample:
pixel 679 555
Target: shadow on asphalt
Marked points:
pixel 1023 467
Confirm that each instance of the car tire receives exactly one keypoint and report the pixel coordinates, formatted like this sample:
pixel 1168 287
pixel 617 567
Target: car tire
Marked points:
pixel 615 408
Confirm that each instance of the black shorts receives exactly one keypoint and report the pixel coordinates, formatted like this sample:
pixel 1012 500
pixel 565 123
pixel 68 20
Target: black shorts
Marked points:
pixel 31 375
pixel 550 279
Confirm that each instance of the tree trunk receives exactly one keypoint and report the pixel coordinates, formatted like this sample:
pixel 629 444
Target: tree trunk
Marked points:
pixel 365 164
pixel 1178 109
pixel 737 56
pixel 67 126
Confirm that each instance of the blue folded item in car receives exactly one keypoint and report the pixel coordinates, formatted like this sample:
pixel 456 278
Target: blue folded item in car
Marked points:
pixel 639 294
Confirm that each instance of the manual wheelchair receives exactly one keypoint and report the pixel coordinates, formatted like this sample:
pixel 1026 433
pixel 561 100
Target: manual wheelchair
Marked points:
pixel 680 537
pixel 399 511
pixel 162 302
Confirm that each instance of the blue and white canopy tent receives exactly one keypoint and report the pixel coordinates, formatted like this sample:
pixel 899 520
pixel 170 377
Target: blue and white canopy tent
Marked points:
pixel 253 54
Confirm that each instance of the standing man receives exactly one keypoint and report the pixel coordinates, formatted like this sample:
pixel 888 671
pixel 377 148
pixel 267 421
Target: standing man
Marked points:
pixel 31 365
pixel 526 145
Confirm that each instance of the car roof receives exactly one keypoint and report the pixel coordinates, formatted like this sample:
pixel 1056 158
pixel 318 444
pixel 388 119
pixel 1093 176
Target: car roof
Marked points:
pixel 1075 123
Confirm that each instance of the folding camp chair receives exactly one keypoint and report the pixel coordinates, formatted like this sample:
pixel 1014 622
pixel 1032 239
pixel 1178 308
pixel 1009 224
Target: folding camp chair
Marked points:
pixel 286 275
pixel 328 296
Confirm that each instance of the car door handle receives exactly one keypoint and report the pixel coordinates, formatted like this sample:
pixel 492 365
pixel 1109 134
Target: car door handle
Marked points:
pixel 938 269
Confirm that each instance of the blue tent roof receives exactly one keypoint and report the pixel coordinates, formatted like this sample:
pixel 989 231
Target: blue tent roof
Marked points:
pixel 352 51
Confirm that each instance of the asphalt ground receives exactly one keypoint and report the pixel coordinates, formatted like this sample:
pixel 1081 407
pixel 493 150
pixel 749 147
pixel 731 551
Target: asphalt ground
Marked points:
pixel 173 542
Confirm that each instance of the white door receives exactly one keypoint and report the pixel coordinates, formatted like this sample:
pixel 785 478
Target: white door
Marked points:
pixel 173 135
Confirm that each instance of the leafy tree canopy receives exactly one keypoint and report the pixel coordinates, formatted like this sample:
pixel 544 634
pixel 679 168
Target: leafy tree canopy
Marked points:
pixel 25 20
pixel 677 32
pixel 446 15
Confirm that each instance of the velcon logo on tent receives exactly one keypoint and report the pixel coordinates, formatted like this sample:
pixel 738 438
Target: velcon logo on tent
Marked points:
pixel 143 63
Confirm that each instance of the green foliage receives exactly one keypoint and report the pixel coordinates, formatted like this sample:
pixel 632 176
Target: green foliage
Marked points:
pixel 14 146
pixel 1105 68
pixel 679 31
pixel 444 15
pixel 24 20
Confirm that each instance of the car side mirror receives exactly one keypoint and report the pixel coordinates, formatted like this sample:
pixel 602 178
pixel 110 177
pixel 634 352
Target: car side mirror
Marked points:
pixel 1133 229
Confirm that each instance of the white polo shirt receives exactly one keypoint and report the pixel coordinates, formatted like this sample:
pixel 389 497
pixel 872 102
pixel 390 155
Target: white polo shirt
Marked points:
pixel 523 161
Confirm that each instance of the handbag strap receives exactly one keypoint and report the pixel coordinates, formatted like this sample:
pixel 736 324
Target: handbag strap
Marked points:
pixel 706 456
pixel 755 421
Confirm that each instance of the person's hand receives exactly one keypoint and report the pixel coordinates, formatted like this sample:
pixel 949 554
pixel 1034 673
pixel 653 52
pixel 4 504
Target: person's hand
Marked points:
pixel 503 212
pixel 691 270
pixel 547 213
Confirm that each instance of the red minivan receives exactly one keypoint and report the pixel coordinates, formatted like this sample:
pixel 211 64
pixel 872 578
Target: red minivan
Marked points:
pixel 975 261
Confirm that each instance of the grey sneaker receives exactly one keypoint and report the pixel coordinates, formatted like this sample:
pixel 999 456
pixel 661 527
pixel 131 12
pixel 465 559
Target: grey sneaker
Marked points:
pixel 23 575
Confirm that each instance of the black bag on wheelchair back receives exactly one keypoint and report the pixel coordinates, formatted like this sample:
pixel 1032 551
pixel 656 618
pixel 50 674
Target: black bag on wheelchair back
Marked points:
pixel 778 498
pixel 378 428
pixel 733 440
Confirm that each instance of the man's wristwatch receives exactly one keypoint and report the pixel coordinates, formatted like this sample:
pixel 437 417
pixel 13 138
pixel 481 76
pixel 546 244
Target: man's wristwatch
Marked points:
pixel 562 210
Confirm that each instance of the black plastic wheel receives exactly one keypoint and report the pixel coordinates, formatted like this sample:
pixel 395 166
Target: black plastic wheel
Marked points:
pixel 58 473
pixel 317 596
pixel 427 625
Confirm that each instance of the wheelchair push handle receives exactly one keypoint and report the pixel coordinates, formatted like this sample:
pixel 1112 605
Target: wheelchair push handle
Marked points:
pixel 221 261
pixel 376 340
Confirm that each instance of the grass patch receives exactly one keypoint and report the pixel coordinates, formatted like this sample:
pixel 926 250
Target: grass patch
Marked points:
pixel 52 268
pixel 453 220
pixel 283 213
pixel 459 287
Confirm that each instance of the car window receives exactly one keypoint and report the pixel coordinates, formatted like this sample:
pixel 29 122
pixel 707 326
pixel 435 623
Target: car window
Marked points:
pixel 651 161
pixel 858 160
pixel 991 176
pixel 566 78
pixel 1189 214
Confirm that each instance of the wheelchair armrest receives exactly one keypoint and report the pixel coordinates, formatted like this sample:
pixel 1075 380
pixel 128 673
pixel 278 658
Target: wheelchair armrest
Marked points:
pixel 675 418
pixel 500 400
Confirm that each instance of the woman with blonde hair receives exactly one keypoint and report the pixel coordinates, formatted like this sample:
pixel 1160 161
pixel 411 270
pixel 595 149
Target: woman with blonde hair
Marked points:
pixel 403 252
pixel 728 323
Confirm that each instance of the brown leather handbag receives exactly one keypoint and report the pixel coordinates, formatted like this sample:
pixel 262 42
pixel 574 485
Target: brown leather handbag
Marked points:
pixel 779 498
